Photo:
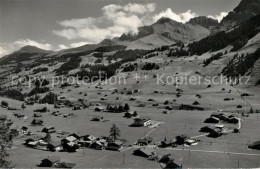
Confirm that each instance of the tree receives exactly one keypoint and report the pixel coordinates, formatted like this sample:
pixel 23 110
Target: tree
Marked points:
pixel 127 107
pixel 5 142
pixel 4 103
pixel 23 106
pixel 114 132
pixel 47 138
pixel 251 111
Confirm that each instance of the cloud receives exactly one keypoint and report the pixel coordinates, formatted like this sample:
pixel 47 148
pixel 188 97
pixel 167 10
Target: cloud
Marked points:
pixel 181 17
pixel 115 20
pixel 7 48
pixel 78 44
pixel 219 17
pixel 61 47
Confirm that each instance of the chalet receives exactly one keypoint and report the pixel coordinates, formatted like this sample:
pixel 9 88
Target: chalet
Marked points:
pixel 70 146
pixel 137 91
pixel 144 141
pixel 116 145
pixel 212 120
pixel 216 114
pixel 97 118
pixel 155 104
pixel 166 102
pixel 97 145
pixel 75 135
pixel 129 114
pixel 233 120
pixel 206 129
pixel 191 142
pixel 255 145
pixel 50 161
pixel 99 108
pixel 196 103
pixel 172 164
pixel 33 144
pixel 37 114
pixel 19 115
pixel 223 117
pixel 215 134
pixel 49 129
pixel 138 122
pixel 24 128
pixel 169 108
pixel 165 159
pixel 88 138
pixel 145 152
pixel 167 143
pixel 54 146
pixel 180 140
pixel 69 139
pixel 166 112
pixel 37 121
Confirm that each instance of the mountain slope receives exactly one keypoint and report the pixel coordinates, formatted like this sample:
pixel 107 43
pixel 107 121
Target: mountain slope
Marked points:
pixel 26 53
pixel 204 21
pixel 164 32
pixel 245 10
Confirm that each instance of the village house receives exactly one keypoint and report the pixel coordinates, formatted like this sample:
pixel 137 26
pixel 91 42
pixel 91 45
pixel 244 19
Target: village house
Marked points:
pixel 50 161
pixel 144 141
pixel 54 146
pixel 215 134
pixel 139 122
pixel 97 118
pixel 167 143
pixel 97 145
pixel 172 164
pixel 37 121
pixel 116 145
pixel 206 129
pixel 255 145
pixel 37 114
pixel 212 120
pixel 233 120
pixel 145 152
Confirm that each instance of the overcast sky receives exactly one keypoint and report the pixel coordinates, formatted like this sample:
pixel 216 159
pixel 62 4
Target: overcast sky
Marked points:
pixel 59 24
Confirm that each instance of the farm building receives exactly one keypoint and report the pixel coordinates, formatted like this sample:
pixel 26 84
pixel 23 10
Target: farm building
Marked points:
pixel 99 109
pixel 215 134
pixel 145 152
pixel 212 120
pixel 172 164
pixel 139 122
pixel 97 145
pixel 116 146
pixel 255 145
pixel 50 161
pixel 97 118
pixel 37 121
pixel 88 138
pixel 165 159
pixel 206 129
pixel 144 141
pixel 233 120
pixel 167 143
pixel 54 146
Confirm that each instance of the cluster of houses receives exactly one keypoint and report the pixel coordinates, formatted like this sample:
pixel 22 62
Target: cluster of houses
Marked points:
pixel 166 161
pixel 54 161
pixel 141 122
pixel 219 129
pixel 73 142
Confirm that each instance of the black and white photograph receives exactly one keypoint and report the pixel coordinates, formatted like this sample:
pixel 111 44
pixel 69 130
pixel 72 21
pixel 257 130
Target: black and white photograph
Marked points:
pixel 137 84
